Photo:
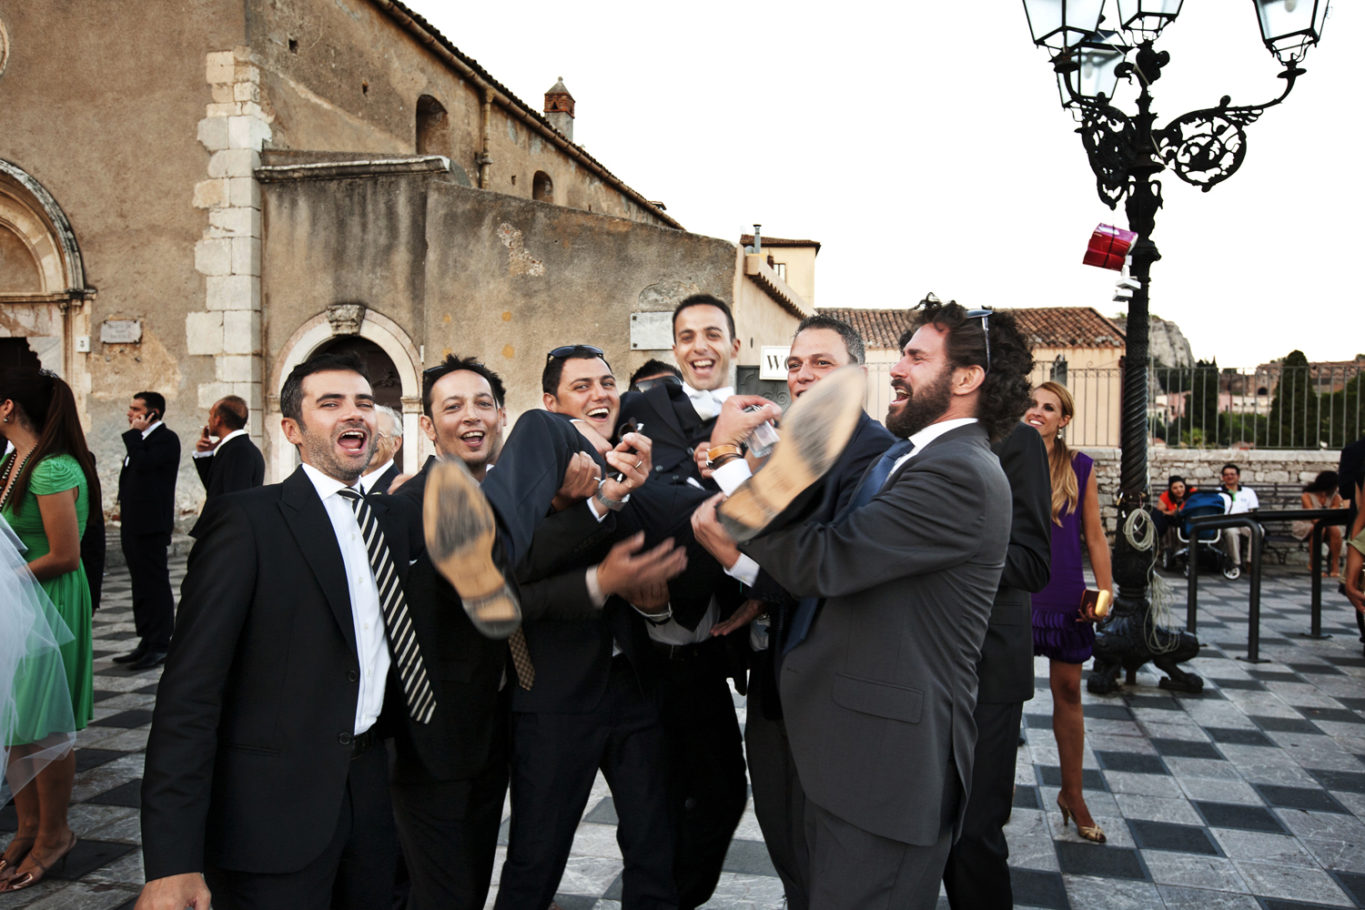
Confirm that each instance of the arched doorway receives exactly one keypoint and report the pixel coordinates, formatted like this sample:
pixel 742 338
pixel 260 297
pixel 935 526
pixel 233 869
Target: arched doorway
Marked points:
pixel 390 357
pixel 43 297
pixel 384 379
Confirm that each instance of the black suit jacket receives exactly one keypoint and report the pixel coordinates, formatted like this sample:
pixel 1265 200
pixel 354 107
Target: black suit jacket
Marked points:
pixel 1006 665
pixel 571 641
pixel 235 465
pixel 673 426
pixel 383 481
pixel 250 744
pixel 146 483
pixel 468 729
pixel 1351 471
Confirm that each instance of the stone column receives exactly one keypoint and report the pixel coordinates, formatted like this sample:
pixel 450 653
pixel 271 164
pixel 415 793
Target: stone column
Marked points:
pixel 228 255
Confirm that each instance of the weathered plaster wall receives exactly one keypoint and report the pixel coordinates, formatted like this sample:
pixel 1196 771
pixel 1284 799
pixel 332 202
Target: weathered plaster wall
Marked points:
pixel 101 108
pixel 474 273
pixel 344 76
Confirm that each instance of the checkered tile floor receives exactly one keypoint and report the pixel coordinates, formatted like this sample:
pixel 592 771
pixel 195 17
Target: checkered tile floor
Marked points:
pixel 1251 795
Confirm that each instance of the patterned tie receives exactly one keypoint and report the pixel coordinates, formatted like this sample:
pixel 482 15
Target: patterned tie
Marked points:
pixel 407 655
pixel 521 659
pixel 868 488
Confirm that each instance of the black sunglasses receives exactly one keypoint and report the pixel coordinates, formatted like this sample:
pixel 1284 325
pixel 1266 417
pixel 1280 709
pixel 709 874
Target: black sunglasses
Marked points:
pixel 985 317
pixel 569 350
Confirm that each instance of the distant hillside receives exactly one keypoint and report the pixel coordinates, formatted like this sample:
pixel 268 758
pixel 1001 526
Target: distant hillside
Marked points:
pixel 1167 343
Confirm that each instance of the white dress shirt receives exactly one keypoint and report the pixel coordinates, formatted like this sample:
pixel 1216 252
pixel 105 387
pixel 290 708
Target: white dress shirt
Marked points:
pixel 368 481
pixel 371 643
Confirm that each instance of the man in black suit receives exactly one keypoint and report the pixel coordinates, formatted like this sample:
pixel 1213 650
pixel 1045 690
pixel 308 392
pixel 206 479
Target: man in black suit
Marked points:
pixel 263 780
pixel 224 455
pixel 450 775
pixel 594 703
pixel 146 495
pixel 706 753
pixel 879 694
pixel 820 345
pixel 977 874
pixel 383 468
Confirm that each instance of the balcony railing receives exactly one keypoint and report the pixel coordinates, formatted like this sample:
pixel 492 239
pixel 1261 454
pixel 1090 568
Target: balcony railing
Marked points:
pixel 1294 407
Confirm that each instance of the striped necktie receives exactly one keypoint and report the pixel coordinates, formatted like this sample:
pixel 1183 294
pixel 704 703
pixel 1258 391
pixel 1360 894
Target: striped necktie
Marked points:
pixel 407 655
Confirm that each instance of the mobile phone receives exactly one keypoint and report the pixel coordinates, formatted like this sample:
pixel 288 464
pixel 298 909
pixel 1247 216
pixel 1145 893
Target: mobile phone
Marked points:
pixel 630 426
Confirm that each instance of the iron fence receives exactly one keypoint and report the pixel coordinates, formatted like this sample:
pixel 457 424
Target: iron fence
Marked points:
pixel 1295 406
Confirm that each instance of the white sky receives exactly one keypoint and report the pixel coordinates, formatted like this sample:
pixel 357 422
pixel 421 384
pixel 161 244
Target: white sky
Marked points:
pixel 925 147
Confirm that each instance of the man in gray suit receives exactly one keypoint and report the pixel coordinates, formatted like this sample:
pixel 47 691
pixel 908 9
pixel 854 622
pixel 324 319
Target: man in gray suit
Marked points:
pixel 879 691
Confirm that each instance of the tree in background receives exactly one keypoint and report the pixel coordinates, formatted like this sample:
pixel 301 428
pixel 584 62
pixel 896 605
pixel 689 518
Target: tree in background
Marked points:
pixel 1295 412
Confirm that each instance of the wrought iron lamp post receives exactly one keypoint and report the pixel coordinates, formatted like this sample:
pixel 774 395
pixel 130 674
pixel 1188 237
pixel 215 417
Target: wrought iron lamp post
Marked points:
pixel 1127 154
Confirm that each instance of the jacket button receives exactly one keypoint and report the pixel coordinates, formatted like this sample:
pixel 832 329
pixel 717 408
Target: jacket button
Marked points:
pixel 352 676
pixel 344 738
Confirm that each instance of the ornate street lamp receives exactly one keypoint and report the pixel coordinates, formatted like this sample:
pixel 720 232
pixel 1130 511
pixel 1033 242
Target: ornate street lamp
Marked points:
pixel 1127 153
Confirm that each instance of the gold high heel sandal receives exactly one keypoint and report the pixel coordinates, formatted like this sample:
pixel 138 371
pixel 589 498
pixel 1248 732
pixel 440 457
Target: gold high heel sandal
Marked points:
pixel 1092 833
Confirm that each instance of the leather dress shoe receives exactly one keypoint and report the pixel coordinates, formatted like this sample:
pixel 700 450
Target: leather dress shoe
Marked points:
pixel 461 532
pixel 814 432
pixel 148 661
pixel 132 656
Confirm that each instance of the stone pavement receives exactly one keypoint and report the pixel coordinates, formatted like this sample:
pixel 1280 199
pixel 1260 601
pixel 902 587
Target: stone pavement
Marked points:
pixel 1249 796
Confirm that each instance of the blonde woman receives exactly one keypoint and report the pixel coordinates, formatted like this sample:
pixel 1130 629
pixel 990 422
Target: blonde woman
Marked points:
pixel 1060 631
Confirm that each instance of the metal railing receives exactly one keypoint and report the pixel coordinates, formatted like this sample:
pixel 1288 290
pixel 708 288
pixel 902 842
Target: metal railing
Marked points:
pixel 1279 407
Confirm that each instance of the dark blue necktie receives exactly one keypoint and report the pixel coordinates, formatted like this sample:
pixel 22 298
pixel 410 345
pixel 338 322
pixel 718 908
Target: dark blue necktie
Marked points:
pixel 871 485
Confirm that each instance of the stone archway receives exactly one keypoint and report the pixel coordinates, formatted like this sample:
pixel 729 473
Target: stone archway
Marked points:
pixel 43 296
pixel 324 330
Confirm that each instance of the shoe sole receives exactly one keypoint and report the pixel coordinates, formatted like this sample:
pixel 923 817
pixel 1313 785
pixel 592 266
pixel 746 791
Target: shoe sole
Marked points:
pixel 814 432
pixel 461 532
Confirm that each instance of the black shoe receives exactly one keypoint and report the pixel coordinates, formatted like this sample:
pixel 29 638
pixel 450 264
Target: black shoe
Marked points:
pixel 148 661
pixel 132 656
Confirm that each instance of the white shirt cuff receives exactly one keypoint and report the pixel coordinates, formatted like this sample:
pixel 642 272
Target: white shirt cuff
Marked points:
pixel 744 570
pixel 198 454
pixel 731 474
pixel 594 589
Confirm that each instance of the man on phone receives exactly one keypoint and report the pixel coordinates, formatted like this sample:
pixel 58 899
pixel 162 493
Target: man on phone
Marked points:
pixel 224 455
pixel 146 495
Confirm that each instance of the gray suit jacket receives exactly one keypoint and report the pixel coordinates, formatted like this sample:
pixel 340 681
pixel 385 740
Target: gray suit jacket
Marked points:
pixel 879 696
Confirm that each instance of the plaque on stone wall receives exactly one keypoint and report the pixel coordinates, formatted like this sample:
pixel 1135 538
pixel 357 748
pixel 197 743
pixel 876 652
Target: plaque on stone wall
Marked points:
pixel 651 331
pixel 121 331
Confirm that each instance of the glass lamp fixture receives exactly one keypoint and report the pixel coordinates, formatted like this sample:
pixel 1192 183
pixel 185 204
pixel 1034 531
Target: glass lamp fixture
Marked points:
pixel 1290 27
pixel 1060 24
pixel 1144 19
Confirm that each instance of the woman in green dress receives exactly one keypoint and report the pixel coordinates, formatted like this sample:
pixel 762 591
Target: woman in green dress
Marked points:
pixel 47 487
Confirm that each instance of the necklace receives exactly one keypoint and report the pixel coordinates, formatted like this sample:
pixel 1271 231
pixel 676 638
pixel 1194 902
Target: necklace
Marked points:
pixel 9 470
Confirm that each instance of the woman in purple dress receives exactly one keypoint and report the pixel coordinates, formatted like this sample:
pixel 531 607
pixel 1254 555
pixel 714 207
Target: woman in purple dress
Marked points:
pixel 1061 631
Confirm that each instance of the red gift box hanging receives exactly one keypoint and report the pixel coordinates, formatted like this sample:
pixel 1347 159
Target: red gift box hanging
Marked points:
pixel 1108 247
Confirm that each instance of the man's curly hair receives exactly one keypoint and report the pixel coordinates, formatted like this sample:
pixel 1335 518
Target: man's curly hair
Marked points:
pixel 1006 389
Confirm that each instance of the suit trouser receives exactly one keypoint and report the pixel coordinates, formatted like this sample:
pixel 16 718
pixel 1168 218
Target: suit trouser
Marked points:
pixel 555 758
pixel 706 776
pixel 354 872
pixel 1237 543
pixel 779 800
pixel 977 874
pixel 854 869
pixel 153 602
pixel 449 833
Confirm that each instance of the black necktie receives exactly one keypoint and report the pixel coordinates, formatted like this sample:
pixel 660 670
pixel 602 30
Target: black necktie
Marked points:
pixel 407 655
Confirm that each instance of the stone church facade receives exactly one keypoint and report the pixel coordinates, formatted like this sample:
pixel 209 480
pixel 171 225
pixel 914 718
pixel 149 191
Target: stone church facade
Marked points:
pixel 195 197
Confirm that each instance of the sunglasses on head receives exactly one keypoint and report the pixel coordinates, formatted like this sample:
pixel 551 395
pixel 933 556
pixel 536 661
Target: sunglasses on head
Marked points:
pixel 569 350
pixel 985 317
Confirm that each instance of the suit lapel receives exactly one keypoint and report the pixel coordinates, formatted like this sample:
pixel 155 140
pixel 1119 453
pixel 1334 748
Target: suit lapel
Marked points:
pixel 308 521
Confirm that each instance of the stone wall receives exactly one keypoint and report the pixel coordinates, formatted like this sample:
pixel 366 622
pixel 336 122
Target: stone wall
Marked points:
pixel 1200 467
